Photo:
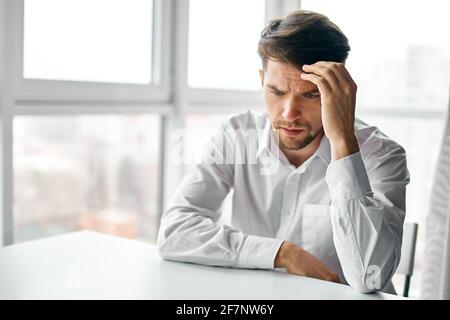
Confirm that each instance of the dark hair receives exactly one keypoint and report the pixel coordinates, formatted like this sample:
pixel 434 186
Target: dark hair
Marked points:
pixel 302 37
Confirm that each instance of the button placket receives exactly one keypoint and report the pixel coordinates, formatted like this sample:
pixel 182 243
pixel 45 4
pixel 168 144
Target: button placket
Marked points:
pixel 289 202
pixel 296 204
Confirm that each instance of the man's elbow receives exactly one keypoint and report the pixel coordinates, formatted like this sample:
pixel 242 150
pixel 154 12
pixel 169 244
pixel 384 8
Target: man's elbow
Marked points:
pixel 362 287
pixel 163 244
pixel 167 251
pixel 162 248
pixel 373 279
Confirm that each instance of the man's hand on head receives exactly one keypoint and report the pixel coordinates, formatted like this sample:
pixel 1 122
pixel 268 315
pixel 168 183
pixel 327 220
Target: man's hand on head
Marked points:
pixel 298 261
pixel 338 99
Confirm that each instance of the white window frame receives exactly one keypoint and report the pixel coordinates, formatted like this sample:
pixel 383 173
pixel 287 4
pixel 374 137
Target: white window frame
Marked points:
pixel 6 101
pixel 208 98
pixel 27 90
pixel 170 97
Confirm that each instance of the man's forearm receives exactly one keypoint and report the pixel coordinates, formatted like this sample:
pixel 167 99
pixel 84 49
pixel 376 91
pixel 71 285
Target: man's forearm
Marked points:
pixel 343 147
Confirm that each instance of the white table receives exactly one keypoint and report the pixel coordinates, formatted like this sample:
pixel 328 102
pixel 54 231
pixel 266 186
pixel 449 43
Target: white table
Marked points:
pixel 89 265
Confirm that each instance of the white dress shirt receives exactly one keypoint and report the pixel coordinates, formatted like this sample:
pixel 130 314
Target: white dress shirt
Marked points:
pixel 348 213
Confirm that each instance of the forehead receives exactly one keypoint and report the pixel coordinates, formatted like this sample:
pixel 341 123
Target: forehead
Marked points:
pixel 281 74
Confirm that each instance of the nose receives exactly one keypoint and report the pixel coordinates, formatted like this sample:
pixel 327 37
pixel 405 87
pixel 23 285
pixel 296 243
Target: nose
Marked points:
pixel 291 110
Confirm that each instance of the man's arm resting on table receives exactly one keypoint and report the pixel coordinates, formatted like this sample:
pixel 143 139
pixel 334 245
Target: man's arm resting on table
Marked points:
pixel 189 229
pixel 367 217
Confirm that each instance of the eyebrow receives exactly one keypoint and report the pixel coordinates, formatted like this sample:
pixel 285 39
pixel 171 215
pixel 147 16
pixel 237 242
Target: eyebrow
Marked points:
pixel 274 88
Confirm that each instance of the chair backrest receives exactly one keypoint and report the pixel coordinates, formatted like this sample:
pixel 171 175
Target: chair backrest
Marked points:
pixel 406 265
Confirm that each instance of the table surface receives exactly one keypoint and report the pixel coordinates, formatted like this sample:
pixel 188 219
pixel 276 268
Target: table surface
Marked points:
pixel 90 265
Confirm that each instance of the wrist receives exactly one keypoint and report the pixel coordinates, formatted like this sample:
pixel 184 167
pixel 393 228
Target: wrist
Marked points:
pixel 343 147
pixel 283 255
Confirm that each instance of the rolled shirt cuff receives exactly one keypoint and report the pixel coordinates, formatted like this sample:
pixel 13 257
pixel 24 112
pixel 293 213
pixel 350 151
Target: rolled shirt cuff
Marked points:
pixel 258 252
pixel 347 178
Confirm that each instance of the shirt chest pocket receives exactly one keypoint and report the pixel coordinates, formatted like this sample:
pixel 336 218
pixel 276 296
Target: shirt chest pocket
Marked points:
pixel 317 232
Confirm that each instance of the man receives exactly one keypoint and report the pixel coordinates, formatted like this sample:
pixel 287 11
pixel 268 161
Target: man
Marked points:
pixel 334 206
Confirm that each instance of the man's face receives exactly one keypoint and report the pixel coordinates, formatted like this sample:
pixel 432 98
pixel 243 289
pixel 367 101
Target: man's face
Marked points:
pixel 293 105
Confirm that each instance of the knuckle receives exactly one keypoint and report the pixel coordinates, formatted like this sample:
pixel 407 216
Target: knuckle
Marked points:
pixel 348 90
pixel 334 66
pixel 328 72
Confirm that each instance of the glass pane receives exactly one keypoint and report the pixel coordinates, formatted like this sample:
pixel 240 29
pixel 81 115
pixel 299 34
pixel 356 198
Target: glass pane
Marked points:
pixel 416 135
pixel 86 172
pixel 399 56
pixel 223 43
pixel 88 40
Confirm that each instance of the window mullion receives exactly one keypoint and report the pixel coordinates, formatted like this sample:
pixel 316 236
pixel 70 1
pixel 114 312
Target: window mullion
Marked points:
pixel 6 142
pixel 277 8
pixel 172 173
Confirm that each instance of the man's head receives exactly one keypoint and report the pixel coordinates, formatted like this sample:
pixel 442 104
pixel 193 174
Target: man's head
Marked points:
pixel 287 44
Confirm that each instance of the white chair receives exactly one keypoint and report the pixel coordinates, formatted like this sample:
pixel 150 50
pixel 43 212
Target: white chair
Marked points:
pixel 406 265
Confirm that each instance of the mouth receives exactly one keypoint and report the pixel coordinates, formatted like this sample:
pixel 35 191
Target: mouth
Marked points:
pixel 291 132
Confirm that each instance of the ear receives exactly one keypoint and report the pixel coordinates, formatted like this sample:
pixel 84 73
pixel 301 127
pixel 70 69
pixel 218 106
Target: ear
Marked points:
pixel 261 76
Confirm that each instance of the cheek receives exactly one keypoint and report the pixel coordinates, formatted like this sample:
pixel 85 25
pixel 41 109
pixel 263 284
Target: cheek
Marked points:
pixel 273 105
pixel 313 114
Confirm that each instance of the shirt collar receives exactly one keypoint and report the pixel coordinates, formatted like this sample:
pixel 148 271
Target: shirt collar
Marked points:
pixel 265 139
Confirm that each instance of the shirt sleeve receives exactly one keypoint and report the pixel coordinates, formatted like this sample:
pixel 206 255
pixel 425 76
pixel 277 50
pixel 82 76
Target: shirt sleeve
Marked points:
pixel 189 229
pixel 367 215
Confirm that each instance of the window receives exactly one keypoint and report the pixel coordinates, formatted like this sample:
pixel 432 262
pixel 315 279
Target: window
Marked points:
pixel 86 172
pixel 223 43
pixel 88 40
pixel 398 56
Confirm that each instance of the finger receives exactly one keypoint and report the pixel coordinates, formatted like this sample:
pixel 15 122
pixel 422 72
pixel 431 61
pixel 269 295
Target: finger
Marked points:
pixel 351 85
pixel 317 68
pixel 321 83
pixel 329 273
pixel 326 64
pixel 327 276
pixel 347 75
pixel 346 82
pixel 324 70
pixel 347 78
pixel 340 72
pixel 336 278
pixel 331 276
